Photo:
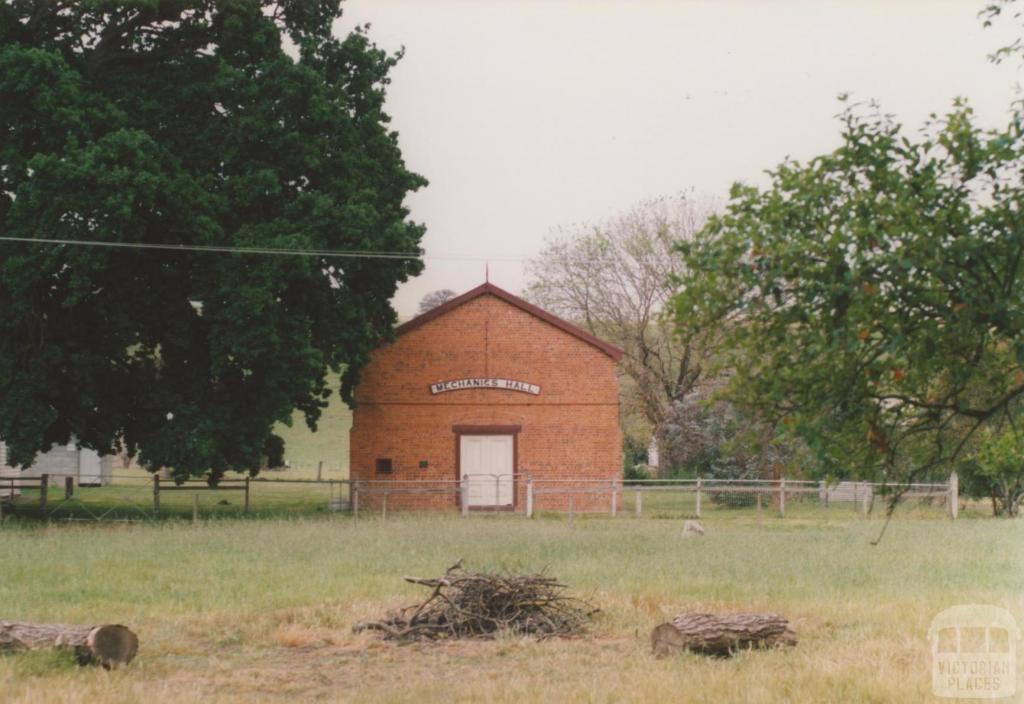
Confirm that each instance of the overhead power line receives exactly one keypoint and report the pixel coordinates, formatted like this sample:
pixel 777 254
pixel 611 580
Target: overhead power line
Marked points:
pixel 337 253
pixel 350 254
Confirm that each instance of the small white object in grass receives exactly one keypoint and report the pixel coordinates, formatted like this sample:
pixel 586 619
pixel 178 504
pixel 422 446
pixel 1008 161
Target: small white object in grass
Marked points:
pixel 692 529
pixel 170 416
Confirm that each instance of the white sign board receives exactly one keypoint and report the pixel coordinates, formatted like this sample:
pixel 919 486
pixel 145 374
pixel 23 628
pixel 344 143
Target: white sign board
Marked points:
pixel 502 384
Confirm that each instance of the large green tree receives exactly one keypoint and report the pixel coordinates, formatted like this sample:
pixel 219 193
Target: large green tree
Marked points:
pixel 870 299
pixel 997 470
pixel 186 122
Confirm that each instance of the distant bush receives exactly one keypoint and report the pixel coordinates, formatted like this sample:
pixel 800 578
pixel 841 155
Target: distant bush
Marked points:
pixel 635 472
pixel 725 467
pixel 634 459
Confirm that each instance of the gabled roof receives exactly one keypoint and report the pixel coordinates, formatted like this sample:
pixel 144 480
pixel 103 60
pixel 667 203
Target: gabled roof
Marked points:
pixel 489 289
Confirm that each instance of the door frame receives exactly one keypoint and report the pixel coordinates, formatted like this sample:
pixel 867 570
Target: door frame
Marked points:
pixel 513 430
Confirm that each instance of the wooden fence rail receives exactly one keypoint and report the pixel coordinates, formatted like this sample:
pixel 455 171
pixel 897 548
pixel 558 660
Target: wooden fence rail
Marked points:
pixel 196 485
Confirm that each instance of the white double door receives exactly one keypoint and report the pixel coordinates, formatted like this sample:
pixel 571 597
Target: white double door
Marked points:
pixel 486 461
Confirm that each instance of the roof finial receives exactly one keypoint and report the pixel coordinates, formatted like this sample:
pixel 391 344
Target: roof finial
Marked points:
pixel 487 271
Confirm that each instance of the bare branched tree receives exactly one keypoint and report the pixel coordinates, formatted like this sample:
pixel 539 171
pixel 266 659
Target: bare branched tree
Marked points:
pixel 615 279
pixel 435 298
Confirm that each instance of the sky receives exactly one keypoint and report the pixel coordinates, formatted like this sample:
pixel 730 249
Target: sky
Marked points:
pixel 535 115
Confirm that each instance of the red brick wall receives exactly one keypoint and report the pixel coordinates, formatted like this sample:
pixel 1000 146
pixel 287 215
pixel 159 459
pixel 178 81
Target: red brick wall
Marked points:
pixel 570 431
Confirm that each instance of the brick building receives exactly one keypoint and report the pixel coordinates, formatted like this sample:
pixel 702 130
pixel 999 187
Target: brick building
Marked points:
pixel 489 387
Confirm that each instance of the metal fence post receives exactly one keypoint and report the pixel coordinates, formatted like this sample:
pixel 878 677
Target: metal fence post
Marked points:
pixel 353 490
pixel 699 482
pixel 156 494
pixel 614 499
pixel 529 498
pixel 195 507
pixel 464 496
pixel 954 495
pixel 319 469
pixel 384 507
pixel 866 499
pixel 782 497
pixel 246 508
pixel 44 480
pixel 638 501
pixel 570 510
pixel 69 487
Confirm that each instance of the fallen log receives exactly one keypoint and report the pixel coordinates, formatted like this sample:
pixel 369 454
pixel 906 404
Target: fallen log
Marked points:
pixel 711 634
pixel 109 645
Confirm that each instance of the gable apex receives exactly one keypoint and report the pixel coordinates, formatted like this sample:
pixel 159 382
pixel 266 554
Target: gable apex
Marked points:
pixel 489 289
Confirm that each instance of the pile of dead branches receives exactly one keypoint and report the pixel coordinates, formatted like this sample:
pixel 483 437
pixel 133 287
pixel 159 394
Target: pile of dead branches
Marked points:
pixel 484 604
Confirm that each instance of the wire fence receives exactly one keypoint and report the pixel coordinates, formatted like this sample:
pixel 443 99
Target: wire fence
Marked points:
pixel 697 498
pixel 145 497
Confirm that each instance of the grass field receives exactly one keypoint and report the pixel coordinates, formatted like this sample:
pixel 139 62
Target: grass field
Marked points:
pixel 233 610
pixel 131 499
pixel 329 444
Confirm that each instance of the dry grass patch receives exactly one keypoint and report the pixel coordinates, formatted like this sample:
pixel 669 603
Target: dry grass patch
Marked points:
pixel 262 611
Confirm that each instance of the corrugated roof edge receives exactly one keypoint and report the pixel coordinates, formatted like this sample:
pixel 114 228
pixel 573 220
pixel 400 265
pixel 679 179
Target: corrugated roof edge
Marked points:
pixel 490 289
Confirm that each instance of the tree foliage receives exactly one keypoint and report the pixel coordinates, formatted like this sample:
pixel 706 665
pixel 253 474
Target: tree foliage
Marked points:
pixel 991 14
pixel 615 279
pixel 997 469
pixel 186 122
pixel 434 299
pixel 869 300
pixel 709 436
pixel 634 458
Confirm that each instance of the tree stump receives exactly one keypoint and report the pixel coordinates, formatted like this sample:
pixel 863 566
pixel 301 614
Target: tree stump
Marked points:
pixel 721 635
pixel 108 645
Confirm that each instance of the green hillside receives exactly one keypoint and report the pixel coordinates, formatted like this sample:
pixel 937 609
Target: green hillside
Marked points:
pixel 329 444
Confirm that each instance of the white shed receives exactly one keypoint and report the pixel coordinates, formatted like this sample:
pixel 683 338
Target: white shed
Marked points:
pixel 86 466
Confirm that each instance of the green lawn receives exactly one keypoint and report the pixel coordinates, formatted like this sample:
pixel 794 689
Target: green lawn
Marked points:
pixel 304 449
pixel 236 610
pixel 132 500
